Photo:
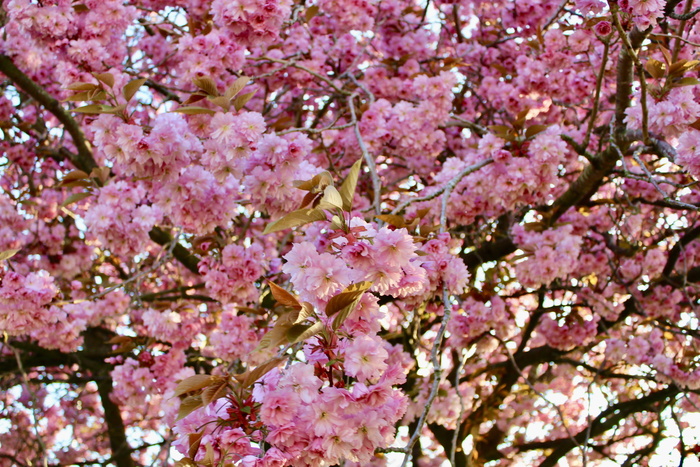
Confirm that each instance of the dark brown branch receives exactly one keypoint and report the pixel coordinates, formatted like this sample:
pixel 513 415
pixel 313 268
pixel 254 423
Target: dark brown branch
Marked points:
pixel 675 252
pixel 605 421
pixel 182 254
pixel 83 160
pixel 167 93
pixel 96 341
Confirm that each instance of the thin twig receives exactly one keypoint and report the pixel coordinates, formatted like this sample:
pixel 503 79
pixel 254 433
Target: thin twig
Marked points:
pixel 369 160
pixel 32 395
pixel 596 100
pixel 437 373
pixel 542 396
pixel 448 186
pixel 455 435
pixel 293 64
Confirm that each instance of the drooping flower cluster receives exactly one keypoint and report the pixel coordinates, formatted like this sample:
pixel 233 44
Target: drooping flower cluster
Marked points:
pixel 552 254
pixel 121 220
pixel 24 302
pixel 251 22
pixel 197 201
pixel 159 155
pixel 233 278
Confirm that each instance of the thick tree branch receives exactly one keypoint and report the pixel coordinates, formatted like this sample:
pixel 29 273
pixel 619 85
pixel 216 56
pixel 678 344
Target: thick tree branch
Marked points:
pixel 96 340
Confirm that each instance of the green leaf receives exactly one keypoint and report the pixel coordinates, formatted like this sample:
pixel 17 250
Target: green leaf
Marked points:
pixel 295 219
pixel 75 197
pixel 192 110
pixel 131 87
pixel 7 254
pixel 347 189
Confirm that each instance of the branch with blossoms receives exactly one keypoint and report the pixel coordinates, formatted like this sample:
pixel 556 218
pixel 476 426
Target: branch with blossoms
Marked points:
pixel 348 232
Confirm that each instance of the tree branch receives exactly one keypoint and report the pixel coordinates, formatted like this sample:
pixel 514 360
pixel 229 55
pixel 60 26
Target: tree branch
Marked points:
pixel 83 160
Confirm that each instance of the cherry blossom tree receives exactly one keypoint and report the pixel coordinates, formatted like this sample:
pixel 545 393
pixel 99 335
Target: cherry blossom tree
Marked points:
pixel 349 232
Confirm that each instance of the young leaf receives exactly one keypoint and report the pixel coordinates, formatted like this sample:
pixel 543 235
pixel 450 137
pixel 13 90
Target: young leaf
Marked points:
pixel 283 297
pixel 347 189
pixel 311 12
pixel 75 197
pixel 193 383
pixel 100 173
pixel 189 405
pixel 533 130
pixel 74 175
pixel 307 311
pixel 221 101
pixel 277 335
pixel 655 68
pixel 82 86
pixel 316 184
pixel 346 302
pixel 301 332
pixel 131 87
pixel 214 392
pixel 196 97
pixel 346 297
pixel 295 219
pixel 106 78
pixel 206 84
pixel 393 220
pixel 186 461
pixel 90 109
pixel 7 254
pixel 194 440
pixel 191 110
pixel 331 199
pixel 236 87
pixel 252 376
pixel 79 97
pixel 687 81
pixel 240 101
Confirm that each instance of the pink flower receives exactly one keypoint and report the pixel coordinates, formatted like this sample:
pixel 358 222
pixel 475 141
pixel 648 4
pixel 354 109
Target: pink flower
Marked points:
pixel 365 358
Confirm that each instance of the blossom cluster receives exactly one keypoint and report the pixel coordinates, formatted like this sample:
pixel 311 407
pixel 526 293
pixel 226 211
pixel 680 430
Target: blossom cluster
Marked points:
pixel 552 254
pixel 120 219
